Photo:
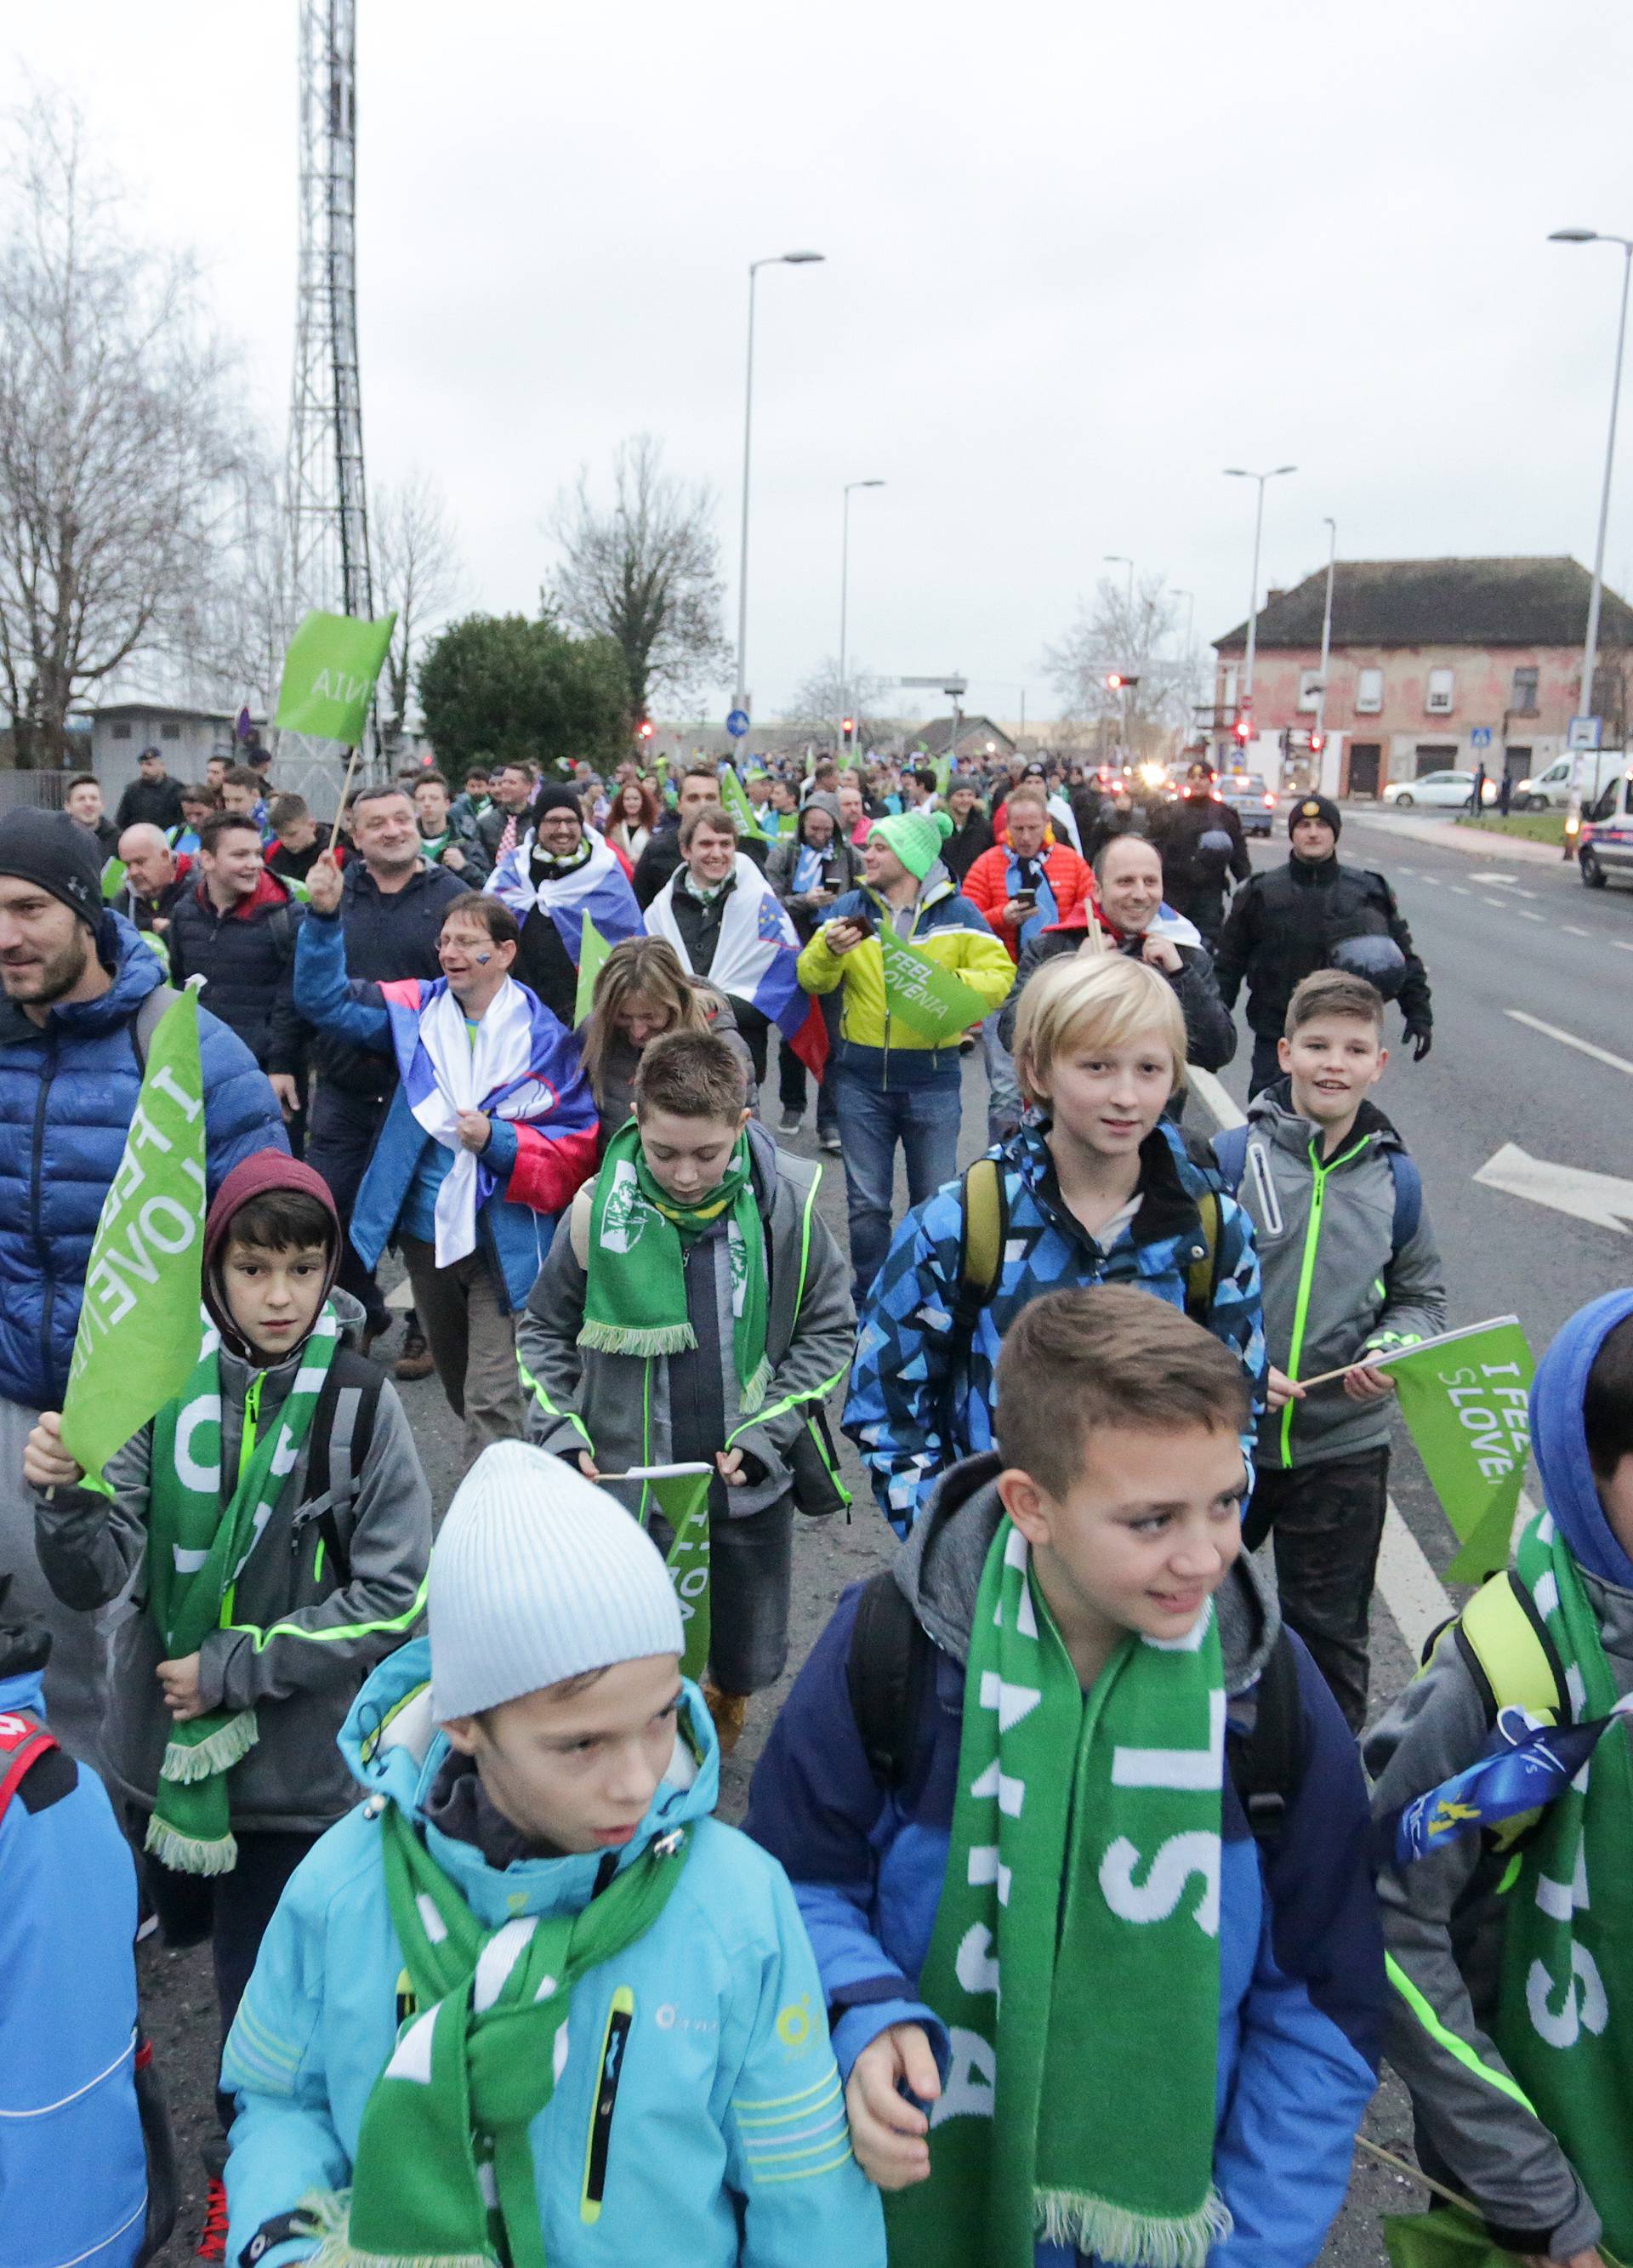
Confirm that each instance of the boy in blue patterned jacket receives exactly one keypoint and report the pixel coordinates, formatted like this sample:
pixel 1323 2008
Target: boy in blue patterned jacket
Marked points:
pixel 1104 1191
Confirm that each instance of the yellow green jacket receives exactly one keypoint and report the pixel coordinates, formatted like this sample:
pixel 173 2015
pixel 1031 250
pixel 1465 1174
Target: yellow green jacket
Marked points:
pixel 947 929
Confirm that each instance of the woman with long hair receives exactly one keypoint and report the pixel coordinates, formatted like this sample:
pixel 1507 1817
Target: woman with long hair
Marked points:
pixel 642 992
pixel 630 822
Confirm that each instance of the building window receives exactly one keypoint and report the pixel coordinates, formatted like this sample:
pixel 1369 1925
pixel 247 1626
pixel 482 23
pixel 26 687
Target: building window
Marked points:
pixel 1437 700
pixel 1369 692
pixel 1309 688
pixel 120 732
pixel 1524 703
pixel 1229 687
pixel 170 732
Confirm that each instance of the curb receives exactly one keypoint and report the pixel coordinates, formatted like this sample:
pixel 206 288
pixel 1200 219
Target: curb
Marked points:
pixel 1474 842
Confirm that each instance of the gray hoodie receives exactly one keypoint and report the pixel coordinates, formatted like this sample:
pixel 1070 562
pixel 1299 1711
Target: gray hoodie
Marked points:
pixel 1335 1288
pixel 299 1646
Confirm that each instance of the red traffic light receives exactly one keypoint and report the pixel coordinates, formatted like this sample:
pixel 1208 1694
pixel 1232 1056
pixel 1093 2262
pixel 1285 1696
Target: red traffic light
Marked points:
pixel 1318 741
pixel 1244 728
pixel 847 725
pixel 1114 680
pixel 644 730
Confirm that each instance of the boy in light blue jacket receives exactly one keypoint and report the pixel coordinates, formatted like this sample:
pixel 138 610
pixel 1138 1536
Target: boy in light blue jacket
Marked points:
pixel 529 2002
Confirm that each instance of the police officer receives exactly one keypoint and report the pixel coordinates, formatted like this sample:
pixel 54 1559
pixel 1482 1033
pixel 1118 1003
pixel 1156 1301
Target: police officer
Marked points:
pixel 1311 914
pixel 1200 840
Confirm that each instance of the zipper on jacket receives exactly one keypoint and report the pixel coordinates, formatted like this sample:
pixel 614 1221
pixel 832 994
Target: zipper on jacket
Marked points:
pixel 247 1450
pixel 36 1228
pixel 614 2045
pixel 1307 1275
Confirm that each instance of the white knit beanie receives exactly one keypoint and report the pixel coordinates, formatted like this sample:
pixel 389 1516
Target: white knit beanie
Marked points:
pixel 537 1575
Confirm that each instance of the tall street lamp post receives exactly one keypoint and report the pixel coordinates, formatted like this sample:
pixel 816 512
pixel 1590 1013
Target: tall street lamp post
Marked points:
pixel 1331 527
pixel 844 587
pixel 1118 559
pixel 1236 473
pixel 775 260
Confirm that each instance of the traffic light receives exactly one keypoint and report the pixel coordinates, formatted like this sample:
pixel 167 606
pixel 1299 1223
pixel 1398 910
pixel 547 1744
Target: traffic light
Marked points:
pixel 644 730
pixel 1318 741
pixel 1244 727
pixel 846 730
pixel 1115 681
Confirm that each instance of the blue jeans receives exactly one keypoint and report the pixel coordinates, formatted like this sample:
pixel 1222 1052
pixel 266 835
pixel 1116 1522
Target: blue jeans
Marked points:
pixel 925 1121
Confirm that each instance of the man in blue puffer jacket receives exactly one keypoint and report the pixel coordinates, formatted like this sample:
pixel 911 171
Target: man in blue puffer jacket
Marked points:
pixel 73 1037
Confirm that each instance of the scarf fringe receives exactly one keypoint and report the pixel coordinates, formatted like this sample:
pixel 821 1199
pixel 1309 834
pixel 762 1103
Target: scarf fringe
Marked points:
pixel 186 1763
pixel 185 1854
pixel 1099 2229
pixel 622 1338
pixel 751 1394
pixel 330 2213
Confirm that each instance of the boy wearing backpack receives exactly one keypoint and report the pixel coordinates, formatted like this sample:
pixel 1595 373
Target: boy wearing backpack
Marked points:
pixel 530 2002
pixel 1351 1269
pixel 278 1523
pixel 1510 2020
pixel 694 1309
pixel 1104 1190
pixel 1080 1838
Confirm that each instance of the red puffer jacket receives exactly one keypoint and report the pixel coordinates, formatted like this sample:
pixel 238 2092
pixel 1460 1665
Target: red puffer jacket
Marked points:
pixel 987 885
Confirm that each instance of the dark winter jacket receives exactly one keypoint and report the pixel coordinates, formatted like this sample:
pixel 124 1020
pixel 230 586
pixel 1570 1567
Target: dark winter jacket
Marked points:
pixel 1209 1031
pixel 67 1096
pixel 965 843
pixel 842 864
pixel 149 803
pixel 1284 923
pixel 461 836
pixel 1301 1982
pixel 662 856
pixel 295 865
pixel 903 1395
pixel 247 958
pixel 491 824
pixel 1178 829
pixel 145 911
pixel 1099 821
pixel 387 935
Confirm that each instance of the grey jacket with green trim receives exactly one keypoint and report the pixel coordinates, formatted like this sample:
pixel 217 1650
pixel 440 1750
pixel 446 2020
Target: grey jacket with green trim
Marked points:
pixel 1335 1288
pixel 1443 1934
pixel 583 1399
pixel 302 1678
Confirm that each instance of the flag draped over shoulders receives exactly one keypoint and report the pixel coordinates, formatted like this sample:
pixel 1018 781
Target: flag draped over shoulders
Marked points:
pixel 597 886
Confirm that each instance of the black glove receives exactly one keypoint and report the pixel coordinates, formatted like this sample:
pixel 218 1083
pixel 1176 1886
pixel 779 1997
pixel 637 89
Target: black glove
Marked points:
pixel 1421 1038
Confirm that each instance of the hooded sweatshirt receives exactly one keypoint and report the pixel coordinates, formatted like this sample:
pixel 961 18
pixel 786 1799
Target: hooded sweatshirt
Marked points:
pixel 1300 1979
pixel 707 2129
pixel 1444 1918
pixel 303 1629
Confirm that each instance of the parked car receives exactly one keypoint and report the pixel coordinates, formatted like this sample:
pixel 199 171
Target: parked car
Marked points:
pixel 1606 844
pixel 1437 792
pixel 1253 802
pixel 1550 790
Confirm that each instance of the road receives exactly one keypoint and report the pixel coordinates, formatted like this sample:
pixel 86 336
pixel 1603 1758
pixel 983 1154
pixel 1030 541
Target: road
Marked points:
pixel 1501 939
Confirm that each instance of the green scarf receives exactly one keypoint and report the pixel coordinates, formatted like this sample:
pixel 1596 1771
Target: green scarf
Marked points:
pixel 432 846
pixel 196 1548
pixel 449 2116
pixel 1567 1957
pixel 1080 2105
pixel 635 1297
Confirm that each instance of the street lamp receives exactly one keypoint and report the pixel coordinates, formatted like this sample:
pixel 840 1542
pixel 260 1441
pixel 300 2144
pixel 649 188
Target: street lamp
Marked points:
pixel 1590 644
pixel 774 260
pixel 1190 598
pixel 1236 473
pixel 1326 632
pixel 1118 559
pixel 845 584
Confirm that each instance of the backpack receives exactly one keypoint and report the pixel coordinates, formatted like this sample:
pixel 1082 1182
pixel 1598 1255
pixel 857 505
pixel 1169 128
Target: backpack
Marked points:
pixel 318 1506
pixel 1230 1149
pixel 1513 1663
pixel 892 1654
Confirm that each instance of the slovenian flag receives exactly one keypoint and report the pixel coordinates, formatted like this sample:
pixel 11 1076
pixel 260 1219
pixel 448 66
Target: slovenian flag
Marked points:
pixel 756 959
pixel 599 887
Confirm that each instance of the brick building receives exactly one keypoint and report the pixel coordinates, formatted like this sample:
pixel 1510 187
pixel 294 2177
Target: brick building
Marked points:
pixel 1425 653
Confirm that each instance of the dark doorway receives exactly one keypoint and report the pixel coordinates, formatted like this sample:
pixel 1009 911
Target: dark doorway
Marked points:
pixel 1517 764
pixel 1366 756
pixel 1435 760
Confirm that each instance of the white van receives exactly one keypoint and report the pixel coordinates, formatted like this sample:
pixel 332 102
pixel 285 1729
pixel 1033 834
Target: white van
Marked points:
pixel 1550 789
pixel 1608 835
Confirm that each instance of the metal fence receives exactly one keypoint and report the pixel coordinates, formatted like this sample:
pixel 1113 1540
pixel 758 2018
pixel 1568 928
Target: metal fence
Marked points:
pixel 34 791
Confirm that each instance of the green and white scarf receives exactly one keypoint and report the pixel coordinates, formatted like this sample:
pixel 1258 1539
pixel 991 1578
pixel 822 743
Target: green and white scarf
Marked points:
pixel 444 2173
pixel 196 1548
pixel 1565 2025
pixel 1075 1958
pixel 635 1297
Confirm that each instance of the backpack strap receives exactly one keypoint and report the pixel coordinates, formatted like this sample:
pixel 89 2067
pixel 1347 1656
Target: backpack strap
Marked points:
pixel 1201 1277
pixel 1266 1760
pixel 346 1427
pixel 1508 1653
pixel 1408 1200
pixel 24 1743
pixel 1230 1151
pixel 885 1673
pixel 980 1243
pixel 147 1019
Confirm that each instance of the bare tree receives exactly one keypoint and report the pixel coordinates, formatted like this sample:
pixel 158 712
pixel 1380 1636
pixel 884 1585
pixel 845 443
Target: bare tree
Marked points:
pixel 827 699
pixel 418 559
pixel 120 450
pixel 1119 637
pixel 645 572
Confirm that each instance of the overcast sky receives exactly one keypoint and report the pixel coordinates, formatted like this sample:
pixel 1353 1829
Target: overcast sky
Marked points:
pixel 1078 258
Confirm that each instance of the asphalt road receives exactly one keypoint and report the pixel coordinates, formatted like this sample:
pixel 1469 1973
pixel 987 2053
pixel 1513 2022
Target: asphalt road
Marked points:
pixel 1497 935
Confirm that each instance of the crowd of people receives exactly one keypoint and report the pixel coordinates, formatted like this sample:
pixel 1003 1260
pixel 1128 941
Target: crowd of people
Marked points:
pixel 1063 1923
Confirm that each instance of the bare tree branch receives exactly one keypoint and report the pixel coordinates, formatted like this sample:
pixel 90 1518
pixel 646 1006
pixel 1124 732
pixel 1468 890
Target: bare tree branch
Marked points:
pixel 645 573
pixel 821 700
pixel 420 573
pixel 1115 636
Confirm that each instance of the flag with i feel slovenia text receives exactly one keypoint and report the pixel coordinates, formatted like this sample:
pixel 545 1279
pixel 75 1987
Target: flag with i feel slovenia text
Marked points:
pixel 936 1004
pixel 139 1322
pixel 328 675
pixel 680 1494
pixel 1465 1397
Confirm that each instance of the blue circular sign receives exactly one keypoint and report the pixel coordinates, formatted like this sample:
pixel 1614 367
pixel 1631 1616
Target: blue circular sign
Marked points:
pixel 737 723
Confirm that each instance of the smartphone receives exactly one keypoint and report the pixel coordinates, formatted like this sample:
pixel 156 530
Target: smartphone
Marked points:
pixel 863 922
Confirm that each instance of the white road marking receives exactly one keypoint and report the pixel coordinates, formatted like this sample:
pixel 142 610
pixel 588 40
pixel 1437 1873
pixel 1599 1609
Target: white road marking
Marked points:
pixel 1457 890
pixel 1526 914
pixel 1570 1039
pixel 1496 902
pixel 1433 879
pixel 1602 1198
pixel 1571 930
pixel 1507 881
pixel 1519 893
pixel 1410 1587
pixel 1621 945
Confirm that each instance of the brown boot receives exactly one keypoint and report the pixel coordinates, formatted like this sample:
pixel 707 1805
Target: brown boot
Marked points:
pixel 414 1361
pixel 728 1710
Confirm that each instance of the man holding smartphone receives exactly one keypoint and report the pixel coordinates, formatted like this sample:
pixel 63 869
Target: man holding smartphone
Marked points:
pixel 810 871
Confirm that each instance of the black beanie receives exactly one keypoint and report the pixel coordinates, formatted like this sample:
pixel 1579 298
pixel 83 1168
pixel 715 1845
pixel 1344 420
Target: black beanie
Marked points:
pixel 1316 807
pixel 55 852
pixel 556 795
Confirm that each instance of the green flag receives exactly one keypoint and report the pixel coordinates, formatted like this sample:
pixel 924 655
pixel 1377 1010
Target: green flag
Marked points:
pixel 924 994
pixel 1464 1398
pixel 943 768
pixel 1448 2240
pixel 593 951
pixel 112 879
pixel 139 1327
pixel 681 1494
pixel 328 675
pixel 737 803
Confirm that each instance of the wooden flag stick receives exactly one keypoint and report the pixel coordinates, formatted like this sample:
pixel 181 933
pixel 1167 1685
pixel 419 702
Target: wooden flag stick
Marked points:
pixel 1378 1362
pixel 345 796
pixel 1415 2174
